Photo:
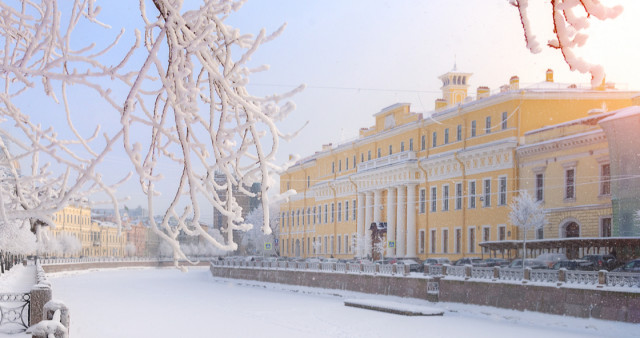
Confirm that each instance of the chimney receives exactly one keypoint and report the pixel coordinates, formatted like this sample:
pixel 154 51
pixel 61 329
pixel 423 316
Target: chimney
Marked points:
pixel 482 92
pixel 514 83
pixel 549 75
pixel 441 103
pixel 504 88
pixel 327 146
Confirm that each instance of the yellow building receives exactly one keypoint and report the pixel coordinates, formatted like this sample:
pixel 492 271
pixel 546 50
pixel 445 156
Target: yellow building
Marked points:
pixel 434 184
pixel 98 239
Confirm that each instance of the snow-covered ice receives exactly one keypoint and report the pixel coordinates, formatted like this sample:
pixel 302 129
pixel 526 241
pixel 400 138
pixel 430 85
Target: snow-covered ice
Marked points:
pixel 169 303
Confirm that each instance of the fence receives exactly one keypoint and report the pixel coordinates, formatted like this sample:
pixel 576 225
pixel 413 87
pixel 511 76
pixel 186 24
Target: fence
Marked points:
pixel 603 278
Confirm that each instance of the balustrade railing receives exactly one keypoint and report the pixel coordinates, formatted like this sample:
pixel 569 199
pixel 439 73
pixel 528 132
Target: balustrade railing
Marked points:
pixel 369 268
pixel 511 274
pixel 385 269
pixel 582 277
pixel 545 276
pixel 456 271
pixel 624 279
pixel 482 273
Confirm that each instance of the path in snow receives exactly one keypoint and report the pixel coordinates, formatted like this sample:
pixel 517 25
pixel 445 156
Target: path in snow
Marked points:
pixel 169 303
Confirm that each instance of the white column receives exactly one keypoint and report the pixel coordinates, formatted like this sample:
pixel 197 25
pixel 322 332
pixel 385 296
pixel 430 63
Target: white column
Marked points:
pixel 411 220
pixel 377 206
pixel 360 223
pixel 401 232
pixel 391 220
pixel 365 246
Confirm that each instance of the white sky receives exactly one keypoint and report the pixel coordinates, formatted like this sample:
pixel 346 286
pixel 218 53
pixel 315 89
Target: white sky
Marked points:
pixel 359 56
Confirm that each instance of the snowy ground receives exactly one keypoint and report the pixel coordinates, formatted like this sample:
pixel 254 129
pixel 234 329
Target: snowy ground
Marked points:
pixel 169 303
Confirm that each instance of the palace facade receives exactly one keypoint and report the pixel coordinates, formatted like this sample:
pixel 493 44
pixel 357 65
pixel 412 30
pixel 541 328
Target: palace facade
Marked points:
pixel 440 183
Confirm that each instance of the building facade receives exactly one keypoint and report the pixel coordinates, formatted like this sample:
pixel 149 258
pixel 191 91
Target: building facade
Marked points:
pixel 436 184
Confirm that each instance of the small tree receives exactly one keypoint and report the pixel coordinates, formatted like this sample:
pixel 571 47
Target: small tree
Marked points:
pixel 526 214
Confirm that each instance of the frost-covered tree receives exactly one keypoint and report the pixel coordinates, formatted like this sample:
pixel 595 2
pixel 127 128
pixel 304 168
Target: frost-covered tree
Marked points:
pixel 191 100
pixel 130 249
pixel 527 214
pixel 256 235
pixel 41 171
pixel 570 19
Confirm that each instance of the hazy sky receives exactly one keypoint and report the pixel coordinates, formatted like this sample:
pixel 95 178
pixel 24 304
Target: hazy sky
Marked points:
pixel 359 56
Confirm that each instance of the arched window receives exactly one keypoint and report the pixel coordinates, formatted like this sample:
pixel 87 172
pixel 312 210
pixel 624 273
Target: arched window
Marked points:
pixel 571 229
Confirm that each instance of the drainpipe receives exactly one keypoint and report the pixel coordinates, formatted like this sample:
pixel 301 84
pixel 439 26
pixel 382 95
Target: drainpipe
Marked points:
pixel 464 206
pixel 355 206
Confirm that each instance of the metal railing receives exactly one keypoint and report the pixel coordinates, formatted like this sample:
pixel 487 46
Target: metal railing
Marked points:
pixel 548 276
pixel 623 279
pixel 14 311
pixel 582 277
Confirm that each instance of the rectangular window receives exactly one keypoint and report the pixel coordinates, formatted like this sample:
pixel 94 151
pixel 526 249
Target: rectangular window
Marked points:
pixel 354 209
pixel 605 227
pixel 308 181
pixel 354 160
pixel 362 157
pixel 339 165
pixel 472 240
pixel 502 198
pixel 446 136
pixel 473 128
pixel 434 139
pixel 308 245
pixel 445 240
pixel 570 184
pixel 423 201
pixel 540 233
pixel 539 187
pixel 423 142
pixel 339 211
pixel 346 210
pixel 326 244
pixel 326 214
pixel 401 146
pixel 434 198
pixel 346 244
pixel 331 245
pixel 379 152
pixel 458 243
pixel 339 244
pixel 390 150
pixel 333 167
pixel 433 241
pixel 346 163
pixel 458 196
pixel 605 179
pixel 333 210
pixel 487 192
pixel 486 236
pixel 445 198
pixel 421 241
pixel 504 120
pixel 472 194
pixel 410 144
pixel 459 133
pixel 487 125
pixel 369 155
pixel 502 233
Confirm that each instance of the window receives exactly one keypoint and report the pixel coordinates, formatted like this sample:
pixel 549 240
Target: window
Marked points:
pixel 421 241
pixel 390 149
pixel 339 211
pixel 458 243
pixel 354 209
pixel 445 240
pixel 605 179
pixel 446 136
pixel 502 198
pixel 369 155
pixel 401 146
pixel 605 227
pixel 346 163
pixel 346 210
pixel 423 142
pixel 539 187
pixel 487 192
pixel 331 245
pixel 339 244
pixel 423 201
pixel 362 157
pixel 472 194
pixel 314 214
pixel 434 139
pixel 472 240
pixel 458 196
pixel 434 198
pixel 502 233
pixel 354 160
pixel 308 181
pixel 486 236
pixel 339 165
pixel 410 144
pixel 445 198
pixel 473 128
pixel 326 214
pixel 487 125
pixel 346 244
pixel 326 244
pixel 570 184
pixel 433 241
pixel 459 133
pixel 540 233
pixel 333 167
pixel 333 210
pixel 504 120
pixel 379 152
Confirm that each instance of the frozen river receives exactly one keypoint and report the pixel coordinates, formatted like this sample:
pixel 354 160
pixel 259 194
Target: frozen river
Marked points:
pixel 169 303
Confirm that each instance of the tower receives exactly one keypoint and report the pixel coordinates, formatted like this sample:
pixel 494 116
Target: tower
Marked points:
pixel 454 88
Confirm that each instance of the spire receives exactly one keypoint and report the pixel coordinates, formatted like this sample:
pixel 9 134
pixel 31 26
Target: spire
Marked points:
pixel 455 63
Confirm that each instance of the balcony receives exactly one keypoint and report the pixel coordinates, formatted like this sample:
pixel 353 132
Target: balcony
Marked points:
pixel 403 157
